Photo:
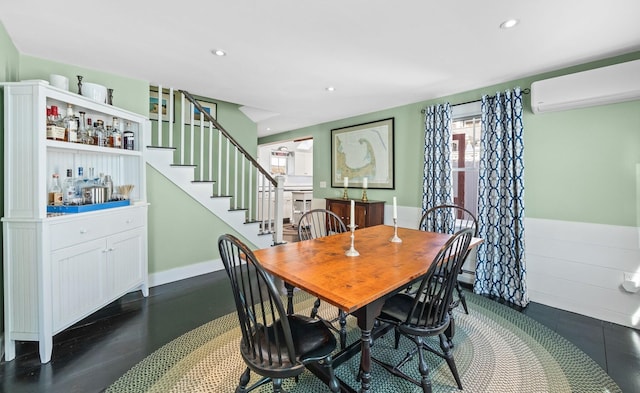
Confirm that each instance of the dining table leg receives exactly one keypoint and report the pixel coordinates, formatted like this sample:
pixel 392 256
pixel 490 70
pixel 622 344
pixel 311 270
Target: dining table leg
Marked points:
pixel 366 320
pixel 289 288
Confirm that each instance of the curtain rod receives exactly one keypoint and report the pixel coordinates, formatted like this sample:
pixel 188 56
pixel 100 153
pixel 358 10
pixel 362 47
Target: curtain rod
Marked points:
pixel 524 91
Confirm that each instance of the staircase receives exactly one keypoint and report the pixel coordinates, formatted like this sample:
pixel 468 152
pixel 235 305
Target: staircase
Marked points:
pixel 198 155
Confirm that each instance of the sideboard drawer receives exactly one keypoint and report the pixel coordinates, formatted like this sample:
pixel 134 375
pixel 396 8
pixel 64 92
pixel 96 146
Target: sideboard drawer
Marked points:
pixel 82 229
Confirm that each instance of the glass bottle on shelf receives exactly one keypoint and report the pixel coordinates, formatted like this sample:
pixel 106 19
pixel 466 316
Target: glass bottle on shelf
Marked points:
pixel 50 123
pixel 90 140
pixel 82 182
pixel 69 189
pixel 70 125
pixel 55 130
pixel 99 133
pixel 107 136
pixel 82 130
pixel 55 191
pixel 129 138
pixel 115 137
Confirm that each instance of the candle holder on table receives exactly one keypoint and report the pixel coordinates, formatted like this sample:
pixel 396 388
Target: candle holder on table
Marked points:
pixel 352 252
pixel 364 195
pixel 345 195
pixel 395 238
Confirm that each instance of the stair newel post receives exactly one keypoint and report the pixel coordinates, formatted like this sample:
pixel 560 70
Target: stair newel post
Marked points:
pixel 279 210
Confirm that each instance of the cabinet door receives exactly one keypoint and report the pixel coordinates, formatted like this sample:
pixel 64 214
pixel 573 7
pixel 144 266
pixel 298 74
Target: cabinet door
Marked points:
pixel 77 282
pixel 360 214
pixel 126 256
pixel 303 162
pixel 375 214
pixel 341 209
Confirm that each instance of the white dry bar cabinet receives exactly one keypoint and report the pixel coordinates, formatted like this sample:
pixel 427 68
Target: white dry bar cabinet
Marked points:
pixel 60 269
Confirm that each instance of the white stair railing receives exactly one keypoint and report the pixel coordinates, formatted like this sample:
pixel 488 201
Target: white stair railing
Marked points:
pixel 219 159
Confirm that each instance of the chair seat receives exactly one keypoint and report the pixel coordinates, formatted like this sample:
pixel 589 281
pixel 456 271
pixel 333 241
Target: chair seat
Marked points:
pixel 312 339
pixel 396 309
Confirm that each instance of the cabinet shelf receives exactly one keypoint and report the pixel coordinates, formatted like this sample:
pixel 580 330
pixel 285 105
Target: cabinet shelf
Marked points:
pixel 78 147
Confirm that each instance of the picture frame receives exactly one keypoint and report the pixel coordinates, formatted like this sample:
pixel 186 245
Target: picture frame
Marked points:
pixel 209 107
pixel 364 150
pixel 155 103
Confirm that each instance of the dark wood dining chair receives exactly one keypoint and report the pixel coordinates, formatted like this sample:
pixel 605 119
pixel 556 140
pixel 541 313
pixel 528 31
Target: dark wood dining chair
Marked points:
pixel 450 219
pixel 314 224
pixel 274 344
pixel 426 312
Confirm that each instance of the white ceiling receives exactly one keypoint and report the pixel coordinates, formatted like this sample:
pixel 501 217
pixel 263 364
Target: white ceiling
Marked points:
pixel 282 54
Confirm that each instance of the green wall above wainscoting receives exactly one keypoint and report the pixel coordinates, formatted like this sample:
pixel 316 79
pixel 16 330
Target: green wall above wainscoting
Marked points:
pixel 181 231
pixel 128 93
pixel 580 165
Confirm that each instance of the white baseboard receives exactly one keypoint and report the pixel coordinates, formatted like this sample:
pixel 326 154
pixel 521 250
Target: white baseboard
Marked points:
pixel 183 272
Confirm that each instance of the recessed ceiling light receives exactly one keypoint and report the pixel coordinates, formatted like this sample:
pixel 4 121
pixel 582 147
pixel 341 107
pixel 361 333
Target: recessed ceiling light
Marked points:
pixel 330 88
pixel 509 23
pixel 218 52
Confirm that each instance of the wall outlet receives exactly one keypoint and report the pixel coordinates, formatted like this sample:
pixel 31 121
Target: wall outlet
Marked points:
pixel 323 184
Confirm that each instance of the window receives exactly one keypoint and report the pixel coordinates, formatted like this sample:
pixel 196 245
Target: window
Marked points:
pixel 279 162
pixel 465 159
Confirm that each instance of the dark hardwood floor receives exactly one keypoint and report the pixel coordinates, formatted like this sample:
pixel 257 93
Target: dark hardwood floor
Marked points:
pixel 91 355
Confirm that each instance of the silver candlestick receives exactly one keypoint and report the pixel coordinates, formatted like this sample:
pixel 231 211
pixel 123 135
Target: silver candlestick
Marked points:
pixel 352 252
pixel 395 238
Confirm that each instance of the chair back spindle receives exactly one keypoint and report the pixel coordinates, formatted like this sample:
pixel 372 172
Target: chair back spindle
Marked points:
pixel 319 223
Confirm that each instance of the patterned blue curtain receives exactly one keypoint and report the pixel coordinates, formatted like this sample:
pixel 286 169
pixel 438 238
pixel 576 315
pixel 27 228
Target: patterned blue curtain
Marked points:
pixel 437 188
pixel 500 268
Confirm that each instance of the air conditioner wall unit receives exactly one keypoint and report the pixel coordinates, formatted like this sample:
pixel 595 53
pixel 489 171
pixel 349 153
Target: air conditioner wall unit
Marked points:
pixel 606 85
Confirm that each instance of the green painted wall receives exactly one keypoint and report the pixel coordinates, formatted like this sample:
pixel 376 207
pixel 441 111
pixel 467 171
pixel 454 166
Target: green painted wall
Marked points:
pixel 579 164
pixel 181 231
pixel 128 93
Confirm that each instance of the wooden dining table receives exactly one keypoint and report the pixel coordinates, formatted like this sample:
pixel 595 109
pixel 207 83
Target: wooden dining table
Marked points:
pixel 358 285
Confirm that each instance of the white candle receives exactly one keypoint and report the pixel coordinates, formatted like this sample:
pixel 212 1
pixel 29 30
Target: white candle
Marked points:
pixel 346 182
pixel 395 209
pixel 352 222
pixel 364 183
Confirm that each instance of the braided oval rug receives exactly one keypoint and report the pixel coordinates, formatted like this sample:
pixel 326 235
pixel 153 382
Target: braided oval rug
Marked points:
pixel 497 349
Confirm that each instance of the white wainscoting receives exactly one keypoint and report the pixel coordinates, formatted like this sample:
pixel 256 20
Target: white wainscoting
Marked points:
pixel 579 267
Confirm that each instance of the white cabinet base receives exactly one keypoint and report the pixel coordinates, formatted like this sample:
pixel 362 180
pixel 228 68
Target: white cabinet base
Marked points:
pixel 46 292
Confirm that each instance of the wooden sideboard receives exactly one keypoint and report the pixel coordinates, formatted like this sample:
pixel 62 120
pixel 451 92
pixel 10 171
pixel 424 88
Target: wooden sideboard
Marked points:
pixel 367 214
